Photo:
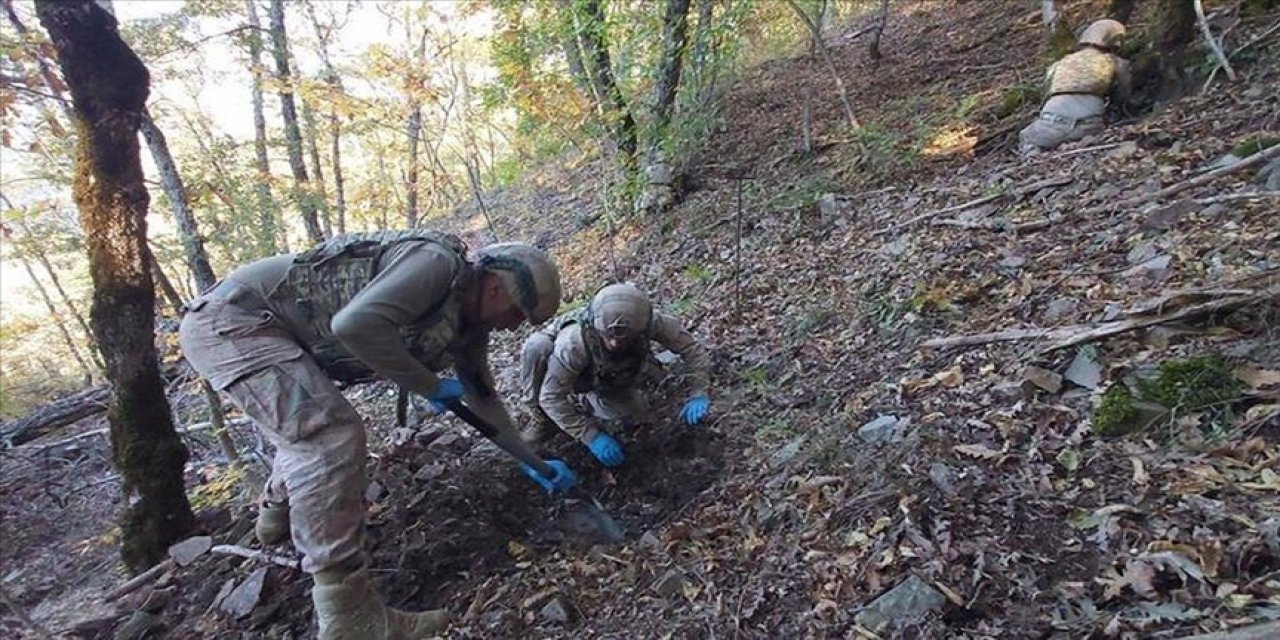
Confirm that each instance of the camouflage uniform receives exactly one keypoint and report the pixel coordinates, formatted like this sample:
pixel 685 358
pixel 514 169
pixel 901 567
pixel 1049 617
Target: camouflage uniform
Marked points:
pixel 567 359
pixel 1079 85
pixel 275 334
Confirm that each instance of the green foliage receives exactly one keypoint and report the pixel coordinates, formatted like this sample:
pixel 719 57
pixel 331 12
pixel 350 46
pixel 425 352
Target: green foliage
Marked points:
pixel 758 378
pixel 814 318
pixel 221 488
pixel 682 306
pixel 777 430
pixel 1253 144
pixel 697 272
pixel 1016 97
pixel 1193 384
pixel 1115 414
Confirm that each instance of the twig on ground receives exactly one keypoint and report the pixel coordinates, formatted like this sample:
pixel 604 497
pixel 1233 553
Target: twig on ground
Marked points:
pixel 1255 159
pixel 26 619
pixel 1071 335
pixel 138 581
pixel 933 214
pixel 1097 147
pixel 253 554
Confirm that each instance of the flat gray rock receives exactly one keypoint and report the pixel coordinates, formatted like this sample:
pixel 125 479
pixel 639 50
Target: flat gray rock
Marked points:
pixel 1086 368
pixel 241 601
pixel 185 552
pixel 882 429
pixel 907 602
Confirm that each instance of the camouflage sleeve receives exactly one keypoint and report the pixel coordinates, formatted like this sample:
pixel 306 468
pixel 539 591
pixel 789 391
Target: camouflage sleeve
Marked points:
pixel 412 279
pixel 566 364
pixel 668 331
pixel 1122 85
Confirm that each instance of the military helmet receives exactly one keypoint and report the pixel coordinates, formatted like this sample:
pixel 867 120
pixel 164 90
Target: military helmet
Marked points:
pixel 529 276
pixel 621 311
pixel 1102 33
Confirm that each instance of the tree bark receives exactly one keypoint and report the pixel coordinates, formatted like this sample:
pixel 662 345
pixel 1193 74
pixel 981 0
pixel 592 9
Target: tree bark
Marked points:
pixel 176 192
pixel 659 191
pixel 334 83
pixel 313 149
pixel 109 87
pixel 413 130
pixel 831 65
pixel 292 133
pixel 882 18
pixel 613 107
pixel 267 209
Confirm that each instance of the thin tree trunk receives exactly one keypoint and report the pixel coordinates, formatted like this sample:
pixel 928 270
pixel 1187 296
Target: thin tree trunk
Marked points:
pixel 882 18
pixel 659 191
pixel 267 210
pixel 313 149
pixel 109 87
pixel 55 86
pixel 615 112
pixel 58 320
pixel 573 52
pixel 1048 14
pixel 702 49
pixel 292 133
pixel 413 130
pixel 831 65
pixel 196 257
pixel 176 192
pixel 334 82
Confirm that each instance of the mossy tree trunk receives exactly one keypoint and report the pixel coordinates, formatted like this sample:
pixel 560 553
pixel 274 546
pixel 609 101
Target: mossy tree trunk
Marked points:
pixel 109 87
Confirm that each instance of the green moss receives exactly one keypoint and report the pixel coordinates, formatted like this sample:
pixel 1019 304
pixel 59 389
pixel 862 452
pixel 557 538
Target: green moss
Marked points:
pixel 1254 144
pixel 1115 415
pixel 1016 97
pixel 1193 384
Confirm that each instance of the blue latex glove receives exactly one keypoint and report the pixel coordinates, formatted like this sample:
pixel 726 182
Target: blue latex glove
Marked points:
pixel 446 389
pixel 606 449
pixel 695 409
pixel 563 480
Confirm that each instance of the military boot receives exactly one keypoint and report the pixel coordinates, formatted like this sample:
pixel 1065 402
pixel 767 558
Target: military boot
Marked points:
pixel 348 609
pixel 539 428
pixel 272 527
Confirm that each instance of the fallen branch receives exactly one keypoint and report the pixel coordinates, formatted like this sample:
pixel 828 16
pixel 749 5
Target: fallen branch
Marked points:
pixel 933 214
pixel 1255 159
pixel 253 554
pixel 1264 631
pixel 1096 147
pixel 55 415
pixel 1063 337
pixel 1231 197
pixel 150 575
pixel 199 426
pixel 1213 42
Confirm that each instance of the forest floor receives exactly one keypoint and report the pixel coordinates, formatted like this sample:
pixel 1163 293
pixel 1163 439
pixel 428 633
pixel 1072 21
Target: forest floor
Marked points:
pixel 843 458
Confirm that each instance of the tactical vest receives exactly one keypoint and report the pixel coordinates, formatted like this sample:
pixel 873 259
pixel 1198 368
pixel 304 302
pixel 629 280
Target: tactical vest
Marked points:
pixel 1088 70
pixel 322 280
pixel 607 371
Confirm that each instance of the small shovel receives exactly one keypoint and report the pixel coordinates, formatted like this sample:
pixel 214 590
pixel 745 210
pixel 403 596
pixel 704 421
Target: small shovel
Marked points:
pixel 588 520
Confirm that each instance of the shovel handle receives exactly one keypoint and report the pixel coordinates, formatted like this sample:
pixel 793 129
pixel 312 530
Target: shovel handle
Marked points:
pixel 491 432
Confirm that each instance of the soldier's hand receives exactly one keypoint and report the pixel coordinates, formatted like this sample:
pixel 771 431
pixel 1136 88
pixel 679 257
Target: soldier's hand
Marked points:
pixel 695 409
pixel 563 480
pixel 447 389
pixel 606 449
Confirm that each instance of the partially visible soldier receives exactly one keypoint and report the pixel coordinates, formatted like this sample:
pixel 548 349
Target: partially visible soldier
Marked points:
pixel 1079 86
pixel 400 306
pixel 601 355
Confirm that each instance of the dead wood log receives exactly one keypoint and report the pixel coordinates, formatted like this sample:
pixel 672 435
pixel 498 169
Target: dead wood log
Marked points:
pixel 254 554
pixel 54 416
pixel 1264 631
pixel 1253 160
pixel 933 214
pixel 1063 337
pixel 150 575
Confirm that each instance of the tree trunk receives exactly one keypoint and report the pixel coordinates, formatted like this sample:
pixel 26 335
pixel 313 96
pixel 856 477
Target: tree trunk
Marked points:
pixel 1160 75
pixel 414 131
pixel 57 318
pixel 831 65
pixel 659 190
pixel 335 153
pixel 573 52
pixel 318 189
pixel 1121 10
pixel 292 133
pixel 882 18
pixel 614 109
pixel 176 192
pixel 267 212
pixel 109 86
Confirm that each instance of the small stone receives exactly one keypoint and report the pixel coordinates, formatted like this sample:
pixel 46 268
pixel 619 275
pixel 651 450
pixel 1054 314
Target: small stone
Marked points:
pixel 1143 252
pixel 429 472
pixel 241 601
pixel 944 478
pixel 828 206
pixel 1044 379
pixel 1086 368
pixel 882 429
pixel 138 626
pixel 1214 211
pixel 186 552
pixel 1269 176
pixel 1060 308
pixel 445 441
pixel 1224 162
pixel 1125 150
pixel 650 541
pixel 373 491
pixel 1153 270
pixel 1111 312
pixel 1164 218
pixel 896 248
pixel 907 602
pixel 555 612
pixel 1013 261
pixel 670 585
pixel 666 358
pixel 157 600
pixel 787 452
pixel 1163 337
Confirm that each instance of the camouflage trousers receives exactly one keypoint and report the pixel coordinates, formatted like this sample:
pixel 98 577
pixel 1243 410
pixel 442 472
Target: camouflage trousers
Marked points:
pixel 1063 118
pixel 319 465
pixel 626 409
